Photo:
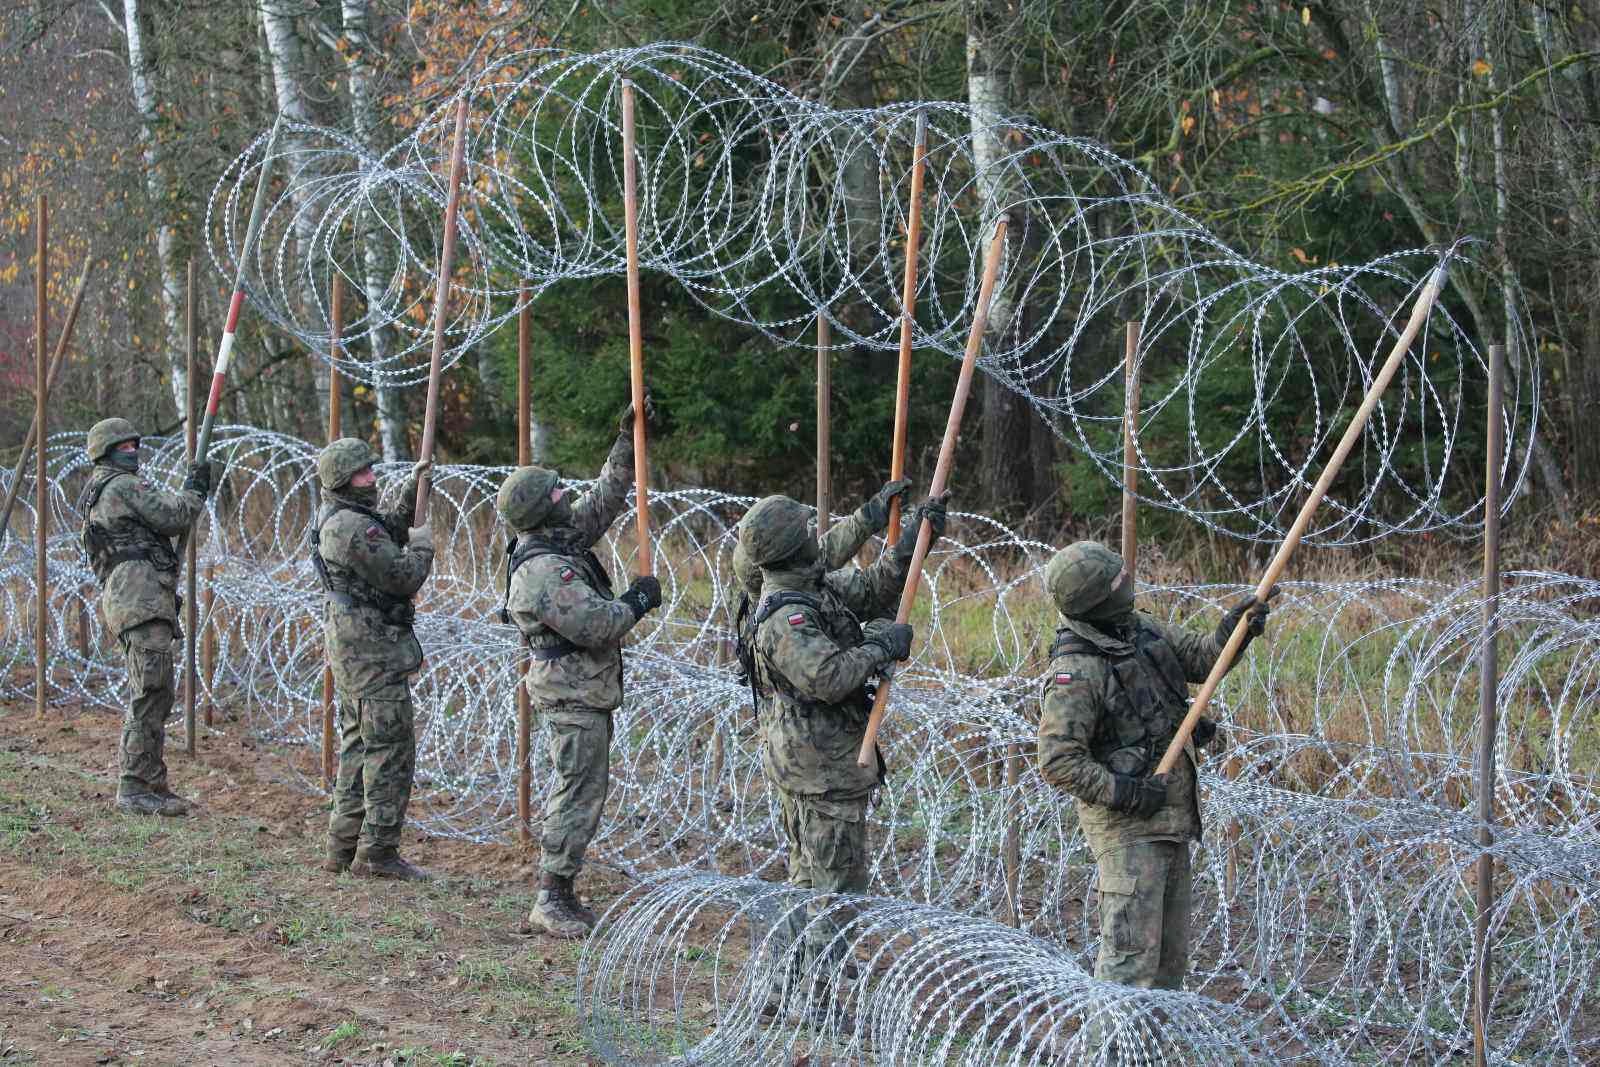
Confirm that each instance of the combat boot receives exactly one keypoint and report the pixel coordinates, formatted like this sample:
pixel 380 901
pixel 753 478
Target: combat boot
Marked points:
pixel 383 861
pixel 555 911
pixel 338 859
pixel 141 804
pixel 172 803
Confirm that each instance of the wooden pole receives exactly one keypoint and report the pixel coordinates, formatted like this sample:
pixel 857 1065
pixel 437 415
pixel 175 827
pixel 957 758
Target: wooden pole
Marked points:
pixel 57 361
pixel 867 757
pixel 908 321
pixel 1130 453
pixel 630 200
pixel 824 423
pixel 208 643
pixel 441 301
pixel 41 485
pixel 1352 433
pixel 1012 851
pixel 524 457
pixel 190 608
pixel 335 336
pixel 1488 708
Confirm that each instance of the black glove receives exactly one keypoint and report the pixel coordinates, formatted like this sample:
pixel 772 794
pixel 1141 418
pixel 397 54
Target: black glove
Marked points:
pixel 932 509
pixel 199 480
pixel 894 638
pixel 625 420
pixel 1205 731
pixel 876 510
pixel 642 595
pixel 1256 609
pixel 1139 796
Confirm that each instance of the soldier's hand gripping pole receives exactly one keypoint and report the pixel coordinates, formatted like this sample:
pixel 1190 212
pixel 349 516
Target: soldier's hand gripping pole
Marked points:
pixel 641 453
pixel 441 302
pixel 867 757
pixel 1280 560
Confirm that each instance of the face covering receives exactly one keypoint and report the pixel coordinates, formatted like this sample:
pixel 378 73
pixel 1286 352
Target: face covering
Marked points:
pixel 560 513
pixel 1115 607
pixel 123 461
pixel 364 495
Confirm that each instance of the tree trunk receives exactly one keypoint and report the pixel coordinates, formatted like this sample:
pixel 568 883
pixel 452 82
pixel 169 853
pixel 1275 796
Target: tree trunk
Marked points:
pixel 1007 415
pixel 361 70
pixel 158 186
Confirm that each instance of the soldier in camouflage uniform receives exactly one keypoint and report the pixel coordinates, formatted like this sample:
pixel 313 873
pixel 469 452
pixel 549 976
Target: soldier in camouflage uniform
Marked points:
pixel 560 598
pixel 371 564
pixel 1116 692
pixel 811 662
pixel 836 548
pixel 127 534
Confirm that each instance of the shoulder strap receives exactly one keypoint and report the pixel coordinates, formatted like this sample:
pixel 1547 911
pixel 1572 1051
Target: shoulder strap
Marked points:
pixel 94 490
pixel 1068 643
pixel 771 604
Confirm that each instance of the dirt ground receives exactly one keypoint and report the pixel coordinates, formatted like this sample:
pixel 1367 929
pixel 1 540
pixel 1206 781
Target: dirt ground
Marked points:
pixel 214 940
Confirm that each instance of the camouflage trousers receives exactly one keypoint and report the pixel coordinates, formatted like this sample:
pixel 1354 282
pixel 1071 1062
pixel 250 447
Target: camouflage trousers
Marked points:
pixel 1145 896
pixel 580 754
pixel 148 648
pixel 377 760
pixel 827 853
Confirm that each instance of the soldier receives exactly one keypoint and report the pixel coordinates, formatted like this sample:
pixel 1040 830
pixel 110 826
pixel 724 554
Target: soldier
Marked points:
pixel 811 662
pixel 560 598
pixel 836 548
pixel 1115 695
pixel 127 530
pixel 371 564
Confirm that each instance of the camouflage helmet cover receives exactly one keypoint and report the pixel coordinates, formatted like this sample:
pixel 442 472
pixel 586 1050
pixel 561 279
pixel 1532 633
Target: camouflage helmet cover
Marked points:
pixel 774 529
pixel 342 460
pixel 747 573
pixel 1080 576
pixel 524 497
pixel 108 434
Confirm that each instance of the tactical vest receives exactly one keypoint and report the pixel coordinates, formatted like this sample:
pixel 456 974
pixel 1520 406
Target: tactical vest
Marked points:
pixel 589 569
pixel 124 540
pixel 347 588
pixel 841 626
pixel 1149 696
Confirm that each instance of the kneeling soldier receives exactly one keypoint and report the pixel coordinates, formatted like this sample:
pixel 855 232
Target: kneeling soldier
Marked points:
pixel 371 564
pixel 560 598
pixel 1116 692
pixel 127 534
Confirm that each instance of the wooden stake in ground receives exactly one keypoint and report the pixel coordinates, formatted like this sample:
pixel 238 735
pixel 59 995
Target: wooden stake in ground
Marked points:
pixel 1488 703
pixel 41 485
pixel 57 361
pixel 941 473
pixel 335 335
pixel 641 455
pixel 441 302
pixel 824 423
pixel 524 458
pixel 190 608
pixel 1130 453
pixel 908 321
pixel 1419 315
pixel 208 643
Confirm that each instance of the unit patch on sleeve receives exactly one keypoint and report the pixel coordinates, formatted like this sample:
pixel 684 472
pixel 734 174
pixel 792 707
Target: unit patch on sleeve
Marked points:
pixel 797 619
pixel 567 574
pixel 1063 678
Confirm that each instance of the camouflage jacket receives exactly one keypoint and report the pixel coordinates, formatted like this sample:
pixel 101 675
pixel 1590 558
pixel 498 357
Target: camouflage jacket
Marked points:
pixel 373 573
pixel 134 514
pixel 569 615
pixel 811 668
pixel 1115 701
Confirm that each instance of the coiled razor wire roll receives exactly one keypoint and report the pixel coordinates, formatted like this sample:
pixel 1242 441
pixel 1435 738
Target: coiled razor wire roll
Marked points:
pixel 1346 922
pixel 769 209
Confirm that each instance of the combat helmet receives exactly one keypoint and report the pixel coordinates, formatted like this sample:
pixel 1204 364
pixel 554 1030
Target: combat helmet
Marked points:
pixel 746 573
pixel 1080 576
pixel 524 497
pixel 342 460
pixel 774 529
pixel 108 434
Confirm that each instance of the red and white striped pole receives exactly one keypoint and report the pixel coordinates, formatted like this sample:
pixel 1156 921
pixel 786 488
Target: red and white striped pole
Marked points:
pixel 225 349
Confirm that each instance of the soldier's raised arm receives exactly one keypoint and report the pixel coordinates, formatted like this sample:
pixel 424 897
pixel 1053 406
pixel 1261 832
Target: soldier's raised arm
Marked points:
pixel 1198 652
pixel 597 509
pixel 875 591
pixel 167 513
pixel 403 506
pixel 844 538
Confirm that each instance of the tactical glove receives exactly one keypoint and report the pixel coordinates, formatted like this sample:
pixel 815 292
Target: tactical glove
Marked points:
pixel 1205 731
pixel 625 420
pixel 420 537
pixel 894 638
pixel 1138 796
pixel 199 480
pixel 875 512
pixel 642 595
pixel 932 509
pixel 1256 609
pixel 408 489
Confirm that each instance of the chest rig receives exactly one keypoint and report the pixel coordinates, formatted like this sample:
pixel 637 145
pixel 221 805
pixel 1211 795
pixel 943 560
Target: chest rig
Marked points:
pixel 1147 696
pixel 347 588
pixel 107 545
pixel 590 571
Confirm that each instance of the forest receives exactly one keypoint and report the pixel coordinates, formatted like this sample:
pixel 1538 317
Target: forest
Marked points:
pixel 1302 135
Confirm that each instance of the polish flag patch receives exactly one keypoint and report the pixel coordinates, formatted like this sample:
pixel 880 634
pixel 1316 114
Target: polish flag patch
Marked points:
pixel 797 619
pixel 374 532
pixel 1063 678
pixel 567 574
